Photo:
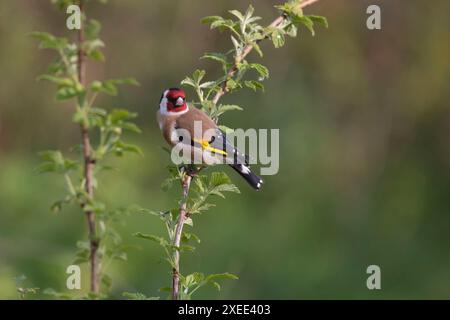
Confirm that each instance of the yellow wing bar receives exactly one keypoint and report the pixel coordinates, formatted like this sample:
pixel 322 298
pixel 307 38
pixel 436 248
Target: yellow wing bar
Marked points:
pixel 205 145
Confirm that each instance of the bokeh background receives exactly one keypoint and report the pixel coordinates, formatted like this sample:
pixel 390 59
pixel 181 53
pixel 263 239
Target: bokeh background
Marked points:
pixel 364 123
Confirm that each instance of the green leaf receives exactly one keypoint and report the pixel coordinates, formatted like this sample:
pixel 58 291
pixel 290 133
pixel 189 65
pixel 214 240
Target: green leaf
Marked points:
pixel 122 256
pixel 262 70
pixel 257 49
pixel 57 205
pixel 291 8
pixel 189 222
pixel 188 82
pixel 237 14
pixel 183 248
pixel 66 93
pixel 291 30
pixel 255 85
pixel 131 127
pixel 106 281
pixel 218 178
pixel 198 75
pixel 91 45
pixel 236 44
pixel 211 19
pixel 220 57
pixel 118 115
pixel 249 12
pixel 60 81
pixel 48 41
pixel 227 107
pixel 232 84
pixel 186 237
pixel 216 285
pixel 57 295
pixel 94 206
pixel 208 85
pixel 96 55
pixel 120 147
pixel 319 19
pixel 278 38
pixel 138 296
pixel 92 29
pixel 308 23
pixel 54 161
pixel 159 240
pixel 110 86
pixel 221 276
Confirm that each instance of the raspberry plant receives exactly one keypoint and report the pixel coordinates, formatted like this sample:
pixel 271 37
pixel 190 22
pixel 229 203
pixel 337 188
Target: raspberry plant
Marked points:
pixel 80 173
pixel 245 35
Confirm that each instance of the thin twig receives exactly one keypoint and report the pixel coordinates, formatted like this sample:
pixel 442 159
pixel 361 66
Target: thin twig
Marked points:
pixel 89 165
pixel 185 184
pixel 232 71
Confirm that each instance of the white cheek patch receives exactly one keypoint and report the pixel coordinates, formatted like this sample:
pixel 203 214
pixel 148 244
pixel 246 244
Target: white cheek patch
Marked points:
pixel 163 104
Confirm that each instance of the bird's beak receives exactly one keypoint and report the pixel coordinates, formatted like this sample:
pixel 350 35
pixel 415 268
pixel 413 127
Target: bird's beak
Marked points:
pixel 180 102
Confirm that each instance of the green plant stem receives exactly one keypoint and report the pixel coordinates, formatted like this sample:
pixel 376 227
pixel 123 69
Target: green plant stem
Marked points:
pixel 189 176
pixel 89 165
pixel 247 49
pixel 185 184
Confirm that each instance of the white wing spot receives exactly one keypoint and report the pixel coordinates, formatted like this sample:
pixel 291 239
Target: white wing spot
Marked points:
pixel 244 169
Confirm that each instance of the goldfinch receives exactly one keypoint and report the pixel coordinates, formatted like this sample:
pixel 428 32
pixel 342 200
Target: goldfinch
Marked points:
pixel 180 126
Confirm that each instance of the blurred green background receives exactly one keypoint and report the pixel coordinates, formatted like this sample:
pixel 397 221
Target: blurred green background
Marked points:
pixel 364 122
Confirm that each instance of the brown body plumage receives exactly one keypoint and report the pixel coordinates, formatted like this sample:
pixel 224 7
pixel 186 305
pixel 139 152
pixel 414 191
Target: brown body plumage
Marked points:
pixel 197 138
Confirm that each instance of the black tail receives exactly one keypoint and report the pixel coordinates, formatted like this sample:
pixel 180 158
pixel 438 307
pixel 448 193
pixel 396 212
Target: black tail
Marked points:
pixel 248 175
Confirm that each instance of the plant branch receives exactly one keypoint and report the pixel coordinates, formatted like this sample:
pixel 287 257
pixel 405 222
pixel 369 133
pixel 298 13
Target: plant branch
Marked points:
pixel 89 165
pixel 247 49
pixel 189 175
pixel 185 184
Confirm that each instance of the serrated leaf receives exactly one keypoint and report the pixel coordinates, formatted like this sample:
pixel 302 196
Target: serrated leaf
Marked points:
pixel 131 127
pixel 138 296
pixel 219 178
pixel 189 222
pixel 220 57
pixel 66 93
pixel 254 85
pixel 94 206
pixel 291 30
pixel 308 23
pixel 188 82
pixel 219 276
pixel 257 49
pixel 237 14
pixel 159 240
pixel 319 19
pixel 187 236
pixel 48 41
pixel 208 85
pixel 211 19
pixel 262 70
pixel 278 38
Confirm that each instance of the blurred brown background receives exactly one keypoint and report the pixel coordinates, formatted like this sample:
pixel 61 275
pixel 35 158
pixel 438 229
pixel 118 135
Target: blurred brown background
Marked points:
pixel 364 122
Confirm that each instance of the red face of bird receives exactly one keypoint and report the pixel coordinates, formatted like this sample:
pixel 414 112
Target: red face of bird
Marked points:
pixel 173 102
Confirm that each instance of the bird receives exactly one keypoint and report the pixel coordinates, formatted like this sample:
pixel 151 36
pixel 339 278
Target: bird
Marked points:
pixel 177 120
